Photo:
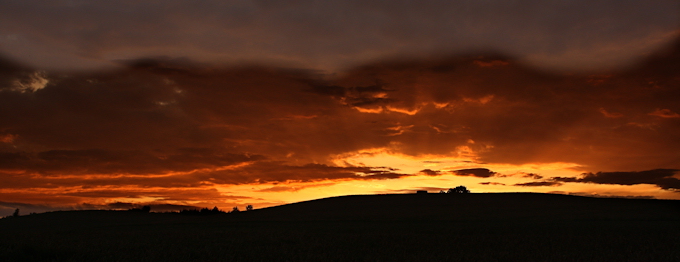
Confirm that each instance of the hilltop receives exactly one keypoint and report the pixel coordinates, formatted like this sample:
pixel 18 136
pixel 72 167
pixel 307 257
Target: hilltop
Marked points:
pixel 475 206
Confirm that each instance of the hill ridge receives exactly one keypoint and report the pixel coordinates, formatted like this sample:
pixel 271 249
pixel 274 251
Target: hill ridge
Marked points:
pixel 480 206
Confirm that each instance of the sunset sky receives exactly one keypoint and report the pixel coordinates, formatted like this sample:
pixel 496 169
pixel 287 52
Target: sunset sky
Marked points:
pixel 177 104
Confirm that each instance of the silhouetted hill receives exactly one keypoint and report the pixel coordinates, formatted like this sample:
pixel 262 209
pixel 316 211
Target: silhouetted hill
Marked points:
pixel 475 206
pixel 408 227
pixel 409 207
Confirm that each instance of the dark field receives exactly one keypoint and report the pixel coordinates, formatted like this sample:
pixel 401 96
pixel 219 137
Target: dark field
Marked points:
pixel 432 227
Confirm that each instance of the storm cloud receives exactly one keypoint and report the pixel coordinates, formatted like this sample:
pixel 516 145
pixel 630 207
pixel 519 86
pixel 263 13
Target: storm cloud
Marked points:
pixel 663 178
pixel 476 172
pixel 332 35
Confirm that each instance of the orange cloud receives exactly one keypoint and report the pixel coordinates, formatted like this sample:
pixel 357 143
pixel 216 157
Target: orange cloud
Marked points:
pixel 610 114
pixel 491 63
pixel 8 138
pixel 664 113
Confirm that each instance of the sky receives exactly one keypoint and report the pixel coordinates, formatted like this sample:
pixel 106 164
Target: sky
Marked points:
pixel 180 104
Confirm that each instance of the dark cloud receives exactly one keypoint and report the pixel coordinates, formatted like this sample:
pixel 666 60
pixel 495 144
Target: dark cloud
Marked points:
pixel 492 183
pixel 430 172
pixel 663 178
pixel 96 161
pixel 476 172
pixel 359 96
pixel 532 175
pixel 332 34
pixel 267 171
pixel 101 180
pixel 295 188
pixel 541 183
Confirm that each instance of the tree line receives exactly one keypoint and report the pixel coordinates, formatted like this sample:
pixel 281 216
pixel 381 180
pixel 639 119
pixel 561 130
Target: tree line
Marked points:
pixel 456 190
pixel 196 211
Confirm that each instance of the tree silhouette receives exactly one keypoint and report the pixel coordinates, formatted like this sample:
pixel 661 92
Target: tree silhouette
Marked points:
pixel 249 208
pixel 16 213
pixel 190 212
pixel 235 210
pixel 144 209
pixel 458 190
pixel 202 211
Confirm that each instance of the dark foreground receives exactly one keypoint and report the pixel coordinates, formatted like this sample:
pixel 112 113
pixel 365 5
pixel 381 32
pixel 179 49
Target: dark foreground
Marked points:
pixel 434 227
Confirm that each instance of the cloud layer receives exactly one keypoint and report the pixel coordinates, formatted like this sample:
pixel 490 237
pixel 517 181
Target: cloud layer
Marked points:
pixel 175 124
pixel 332 35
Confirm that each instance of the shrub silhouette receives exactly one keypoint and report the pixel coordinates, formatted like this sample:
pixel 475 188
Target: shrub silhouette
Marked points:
pixel 16 213
pixel 458 190
pixel 249 208
pixel 202 211
pixel 144 209
pixel 189 212
pixel 235 210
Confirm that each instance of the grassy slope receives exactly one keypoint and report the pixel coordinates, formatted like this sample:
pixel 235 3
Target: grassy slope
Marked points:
pixel 474 227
